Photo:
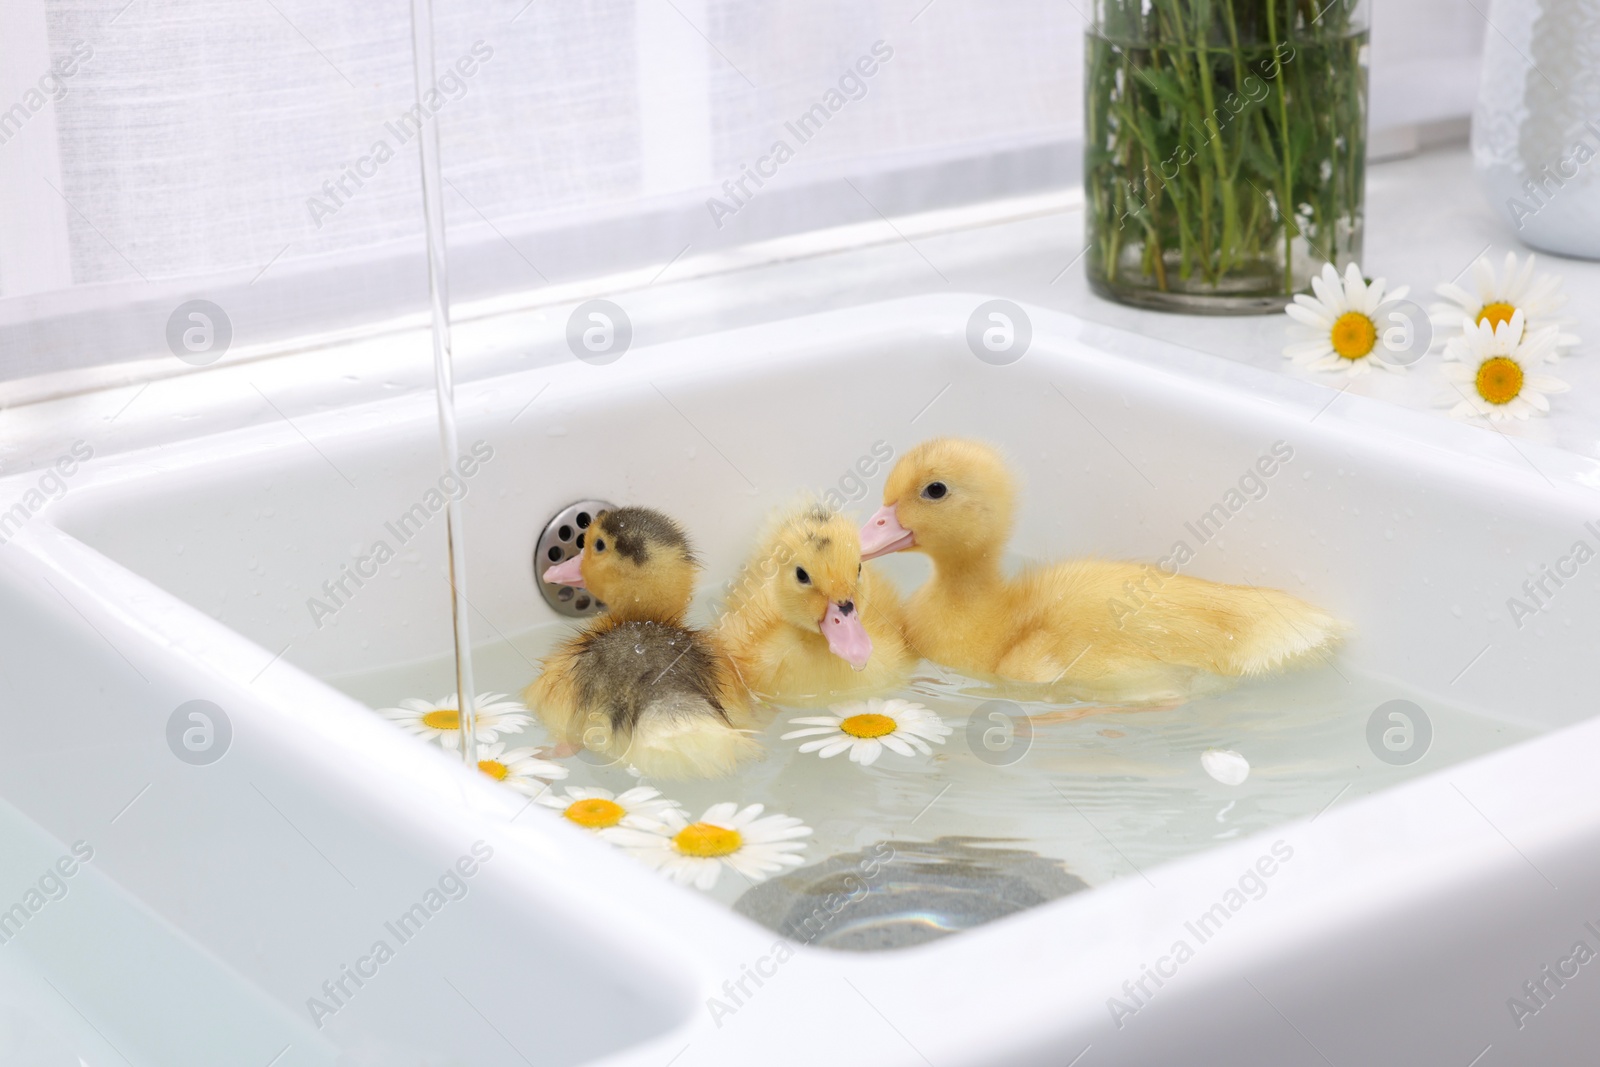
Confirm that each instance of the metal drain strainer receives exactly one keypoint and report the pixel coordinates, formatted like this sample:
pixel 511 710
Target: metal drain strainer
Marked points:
pixel 899 893
pixel 563 539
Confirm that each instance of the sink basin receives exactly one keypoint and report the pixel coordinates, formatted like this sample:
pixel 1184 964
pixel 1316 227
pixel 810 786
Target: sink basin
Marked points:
pixel 243 570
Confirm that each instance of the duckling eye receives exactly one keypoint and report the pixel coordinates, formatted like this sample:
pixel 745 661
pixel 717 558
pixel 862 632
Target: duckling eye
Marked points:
pixel 935 490
pixel 801 576
pixel 600 544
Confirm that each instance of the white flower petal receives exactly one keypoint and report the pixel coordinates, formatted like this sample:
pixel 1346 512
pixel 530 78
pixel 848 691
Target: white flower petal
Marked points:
pixel 1317 319
pixel 898 744
pixel 1355 290
pixel 782 833
pixel 706 877
pixel 1225 765
pixel 748 816
pixel 1483 274
pixel 1463 300
pixel 811 731
pixel 868 752
pixel 1517 281
pixel 1374 297
pixel 720 814
pixel 632 838
pixel 1329 292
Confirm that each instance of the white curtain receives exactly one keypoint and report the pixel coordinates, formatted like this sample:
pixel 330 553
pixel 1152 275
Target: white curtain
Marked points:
pixel 258 152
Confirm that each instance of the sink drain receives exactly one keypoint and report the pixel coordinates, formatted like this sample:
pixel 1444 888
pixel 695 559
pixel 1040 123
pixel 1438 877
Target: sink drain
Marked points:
pixel 900 893
pixel 562 539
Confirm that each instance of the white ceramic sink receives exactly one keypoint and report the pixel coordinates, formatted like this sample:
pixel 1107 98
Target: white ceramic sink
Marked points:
pixel 1395 934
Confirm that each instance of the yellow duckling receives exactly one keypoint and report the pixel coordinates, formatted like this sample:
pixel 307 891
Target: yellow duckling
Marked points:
pixel 1118 633
pixel 806 624
pixel 637 685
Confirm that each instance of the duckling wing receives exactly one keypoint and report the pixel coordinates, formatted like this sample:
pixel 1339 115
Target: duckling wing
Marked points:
pixel 626 670
pixel 664 694
pixel 1119 613
pixel 552 695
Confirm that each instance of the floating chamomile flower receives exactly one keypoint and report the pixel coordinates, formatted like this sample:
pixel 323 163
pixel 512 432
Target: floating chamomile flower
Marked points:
pixel 1495 370
pixel 523 769
pixel 441 719
pixel 600 809
pixel 1343 318
pixel 694 853
pixel 1494 298
pixel 865 730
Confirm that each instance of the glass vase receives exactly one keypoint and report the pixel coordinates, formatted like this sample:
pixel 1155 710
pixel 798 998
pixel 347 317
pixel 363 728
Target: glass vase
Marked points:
pixel 1224 149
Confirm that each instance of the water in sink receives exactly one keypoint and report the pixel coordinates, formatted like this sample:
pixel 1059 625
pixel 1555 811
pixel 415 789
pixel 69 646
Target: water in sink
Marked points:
pixel 1108 796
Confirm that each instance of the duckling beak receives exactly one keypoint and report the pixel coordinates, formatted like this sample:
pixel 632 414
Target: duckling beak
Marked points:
pixel 847 637
pixel 567 572
pixel 883 534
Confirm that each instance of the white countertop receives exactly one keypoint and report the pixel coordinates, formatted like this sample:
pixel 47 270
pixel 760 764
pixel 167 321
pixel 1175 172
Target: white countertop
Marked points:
pixel 1426 224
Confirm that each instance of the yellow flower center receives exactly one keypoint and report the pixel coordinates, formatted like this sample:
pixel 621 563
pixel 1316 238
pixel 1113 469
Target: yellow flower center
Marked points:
pixel 1499 380
pixel 1354 335
pixel 595 813
pixel 1496 313
pixel 705 841
pixel 494 769
pixel 868 725
pixel 443 719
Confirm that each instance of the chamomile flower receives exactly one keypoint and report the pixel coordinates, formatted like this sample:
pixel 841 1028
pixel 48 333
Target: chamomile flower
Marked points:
pixel 600 809
pixel 1495 297
pixel 1495 371
pixel 694 853
pixel 523 769
pixel 1343 320
pixel 441 719
pixel 865 730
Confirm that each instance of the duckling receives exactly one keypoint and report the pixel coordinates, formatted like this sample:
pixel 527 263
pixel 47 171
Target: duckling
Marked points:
pixel 1074 623
pixel 638 685
pixel 805 623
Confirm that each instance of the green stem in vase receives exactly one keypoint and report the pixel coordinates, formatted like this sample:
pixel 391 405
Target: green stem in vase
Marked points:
pixel 1217 133
pixel 1286 197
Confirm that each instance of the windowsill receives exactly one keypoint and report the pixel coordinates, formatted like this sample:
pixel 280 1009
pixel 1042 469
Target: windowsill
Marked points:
pixel 1426 222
